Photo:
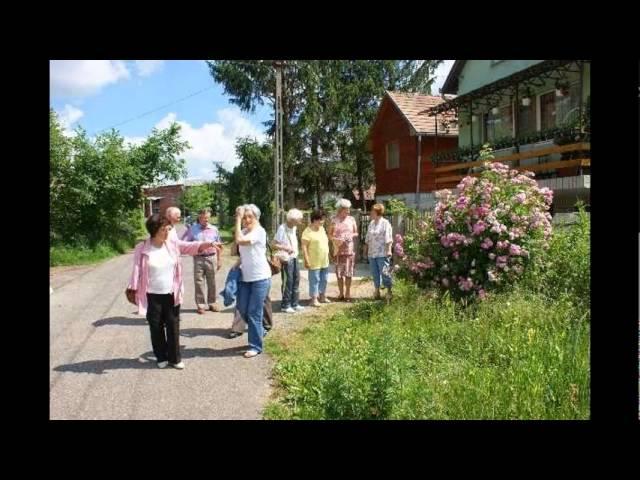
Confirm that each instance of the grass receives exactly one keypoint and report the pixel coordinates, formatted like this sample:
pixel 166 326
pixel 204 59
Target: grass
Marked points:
pixel 226 235
pixel 82 255
pixel 515 356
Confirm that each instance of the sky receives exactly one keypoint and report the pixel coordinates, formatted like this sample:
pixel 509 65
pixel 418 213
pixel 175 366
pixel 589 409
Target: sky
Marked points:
pixel 136 96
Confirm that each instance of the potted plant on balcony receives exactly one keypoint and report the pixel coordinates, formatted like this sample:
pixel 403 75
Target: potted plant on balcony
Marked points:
pixel 526 97
pixel 562 88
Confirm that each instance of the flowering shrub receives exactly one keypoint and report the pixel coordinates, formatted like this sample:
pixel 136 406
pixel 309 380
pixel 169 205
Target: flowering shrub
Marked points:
pixel 481 238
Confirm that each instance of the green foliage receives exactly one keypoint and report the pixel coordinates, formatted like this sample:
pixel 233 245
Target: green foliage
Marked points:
pixel 196 198
pixel 328 108
pixel 96 183
pixel 252 180
pixel 515 356
pixel 565 271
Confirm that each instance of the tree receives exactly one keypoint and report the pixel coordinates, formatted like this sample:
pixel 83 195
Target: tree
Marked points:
pixel 252 180
pixel 196 198
pixel 96 183
pixel 328 108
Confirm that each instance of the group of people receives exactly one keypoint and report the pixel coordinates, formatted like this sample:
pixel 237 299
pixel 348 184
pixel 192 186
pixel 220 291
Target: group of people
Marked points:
pixel 156 284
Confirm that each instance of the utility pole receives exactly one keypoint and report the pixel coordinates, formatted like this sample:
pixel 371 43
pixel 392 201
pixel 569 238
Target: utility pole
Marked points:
pixel 218 198
pixel 278 172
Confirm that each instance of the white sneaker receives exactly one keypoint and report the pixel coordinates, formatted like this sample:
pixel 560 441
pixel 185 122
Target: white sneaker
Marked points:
pixel 289 310
pixel 315 304
pixel 163 364
pixel 299 308
pixel 326 300
pixel 179 365
pixel 250 353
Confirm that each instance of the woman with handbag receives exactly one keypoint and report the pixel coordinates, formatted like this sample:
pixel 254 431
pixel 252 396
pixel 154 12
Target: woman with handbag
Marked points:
pixel 256 274
pixel 286 244
pixel 156 286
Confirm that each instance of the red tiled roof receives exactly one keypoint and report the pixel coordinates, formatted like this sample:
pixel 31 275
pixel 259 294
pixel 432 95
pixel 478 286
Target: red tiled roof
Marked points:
pixel 412 107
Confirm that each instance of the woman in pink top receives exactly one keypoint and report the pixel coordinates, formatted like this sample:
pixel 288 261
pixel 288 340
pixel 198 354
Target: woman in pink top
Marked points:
pixel 342 231
pixel 156 282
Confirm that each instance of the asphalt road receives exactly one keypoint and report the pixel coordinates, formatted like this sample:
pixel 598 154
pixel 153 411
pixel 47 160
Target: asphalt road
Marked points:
pixel 99 348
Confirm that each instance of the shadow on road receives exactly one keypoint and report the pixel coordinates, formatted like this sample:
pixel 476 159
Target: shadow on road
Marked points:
pixel 124 321
pixel 194 332
pixel 212 353
pixel 102 366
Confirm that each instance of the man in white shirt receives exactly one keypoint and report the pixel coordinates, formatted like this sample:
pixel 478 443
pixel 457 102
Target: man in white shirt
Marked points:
pixel 286 244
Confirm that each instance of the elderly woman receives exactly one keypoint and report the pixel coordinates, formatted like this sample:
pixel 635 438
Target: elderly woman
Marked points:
pixel 286 244
pixel 315 247
pixel 378 243
pixel 157 289
pixel 342 231
pixel 255 284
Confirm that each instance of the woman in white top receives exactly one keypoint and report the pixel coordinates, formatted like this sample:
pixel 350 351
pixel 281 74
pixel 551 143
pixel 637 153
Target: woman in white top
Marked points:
pixel 378 247
pixel 157 288
pixel 286 244
pixel 256 274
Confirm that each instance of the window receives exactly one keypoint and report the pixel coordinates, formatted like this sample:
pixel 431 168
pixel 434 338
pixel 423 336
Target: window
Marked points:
pixel 557 111
pixel 155 206
pixel 498 126
pixel 526 119
pixel 393 155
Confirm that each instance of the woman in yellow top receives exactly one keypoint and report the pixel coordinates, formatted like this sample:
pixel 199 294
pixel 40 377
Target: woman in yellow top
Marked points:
pixel 315 247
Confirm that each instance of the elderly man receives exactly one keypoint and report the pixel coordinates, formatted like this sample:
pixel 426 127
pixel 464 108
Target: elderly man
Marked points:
pixel 173 215
pixel 207 263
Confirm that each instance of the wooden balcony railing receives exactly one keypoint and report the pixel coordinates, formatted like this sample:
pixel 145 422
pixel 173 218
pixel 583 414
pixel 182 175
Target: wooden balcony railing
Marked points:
pixel 447 174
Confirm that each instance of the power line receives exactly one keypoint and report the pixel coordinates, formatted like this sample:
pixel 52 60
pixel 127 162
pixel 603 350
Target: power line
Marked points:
pixel 158 108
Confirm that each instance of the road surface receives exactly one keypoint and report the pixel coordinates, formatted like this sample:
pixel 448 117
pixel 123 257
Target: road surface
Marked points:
pixel 99 349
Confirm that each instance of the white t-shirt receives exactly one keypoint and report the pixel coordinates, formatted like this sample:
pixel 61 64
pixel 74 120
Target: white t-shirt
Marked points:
pixel 377 238
pixel 161 269
pixel 253 257
pixel 287 236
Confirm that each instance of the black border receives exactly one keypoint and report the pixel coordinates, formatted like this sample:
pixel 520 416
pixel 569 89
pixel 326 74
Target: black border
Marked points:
pixel 614 84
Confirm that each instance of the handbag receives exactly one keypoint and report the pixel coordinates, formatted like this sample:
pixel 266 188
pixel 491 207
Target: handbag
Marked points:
pixel 275 264
pixel 131 295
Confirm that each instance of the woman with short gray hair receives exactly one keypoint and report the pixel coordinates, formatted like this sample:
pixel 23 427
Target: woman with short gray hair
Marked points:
pixel 256 274
pixel 286 244
pixel 342 231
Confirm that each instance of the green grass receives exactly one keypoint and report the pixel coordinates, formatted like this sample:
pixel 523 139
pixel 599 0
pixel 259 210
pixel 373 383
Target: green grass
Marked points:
pixel 514 356
pixel 66 255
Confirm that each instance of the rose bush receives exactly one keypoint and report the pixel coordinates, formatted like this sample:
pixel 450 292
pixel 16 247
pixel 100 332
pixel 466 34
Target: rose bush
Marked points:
pixel 481 238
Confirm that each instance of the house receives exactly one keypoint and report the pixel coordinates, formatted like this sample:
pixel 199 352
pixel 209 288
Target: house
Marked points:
pixel 533 113
pixel 158 199
pixel 402 140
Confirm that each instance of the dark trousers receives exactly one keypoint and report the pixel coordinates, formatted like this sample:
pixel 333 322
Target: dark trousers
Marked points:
pixel 290 283
pixel 164 322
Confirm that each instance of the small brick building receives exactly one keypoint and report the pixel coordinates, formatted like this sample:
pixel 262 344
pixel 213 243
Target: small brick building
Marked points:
pixel 401 136
pixel 158 199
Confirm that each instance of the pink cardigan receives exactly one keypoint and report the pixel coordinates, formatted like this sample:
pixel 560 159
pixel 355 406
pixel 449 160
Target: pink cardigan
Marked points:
pixel 140 275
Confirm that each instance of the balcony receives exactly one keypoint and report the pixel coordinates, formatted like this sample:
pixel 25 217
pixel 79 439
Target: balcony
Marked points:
pixel 548 161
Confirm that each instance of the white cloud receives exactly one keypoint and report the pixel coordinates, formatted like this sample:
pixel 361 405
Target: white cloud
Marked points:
pixel 78 78
pixel 136 141
pixel 68 116
pixel 213 141
pixel 148 67
pixel 441 75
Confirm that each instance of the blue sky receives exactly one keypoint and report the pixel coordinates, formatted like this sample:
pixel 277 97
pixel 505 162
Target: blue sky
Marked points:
pixel 100 94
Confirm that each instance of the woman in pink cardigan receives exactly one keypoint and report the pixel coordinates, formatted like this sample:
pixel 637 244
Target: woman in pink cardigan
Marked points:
pixel 157 287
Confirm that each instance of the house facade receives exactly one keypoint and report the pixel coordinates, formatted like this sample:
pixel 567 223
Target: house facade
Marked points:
pixel 402 140
pixel 535 114
pixel 158 199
